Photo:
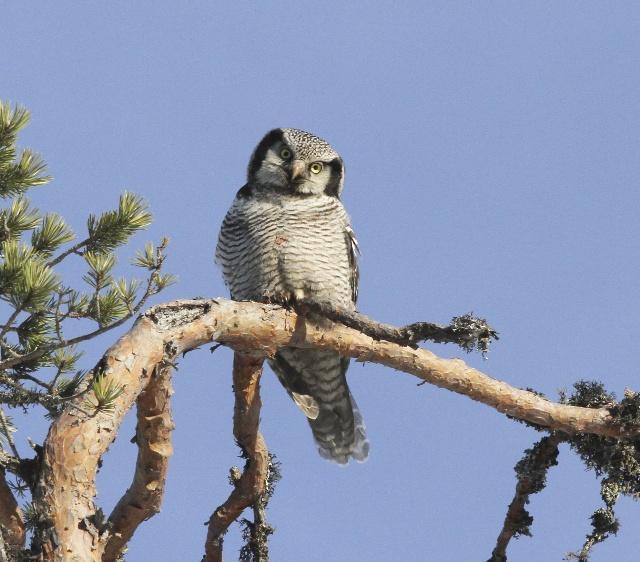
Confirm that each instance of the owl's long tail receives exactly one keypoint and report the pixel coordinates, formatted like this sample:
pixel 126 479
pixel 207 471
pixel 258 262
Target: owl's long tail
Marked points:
pixel 316 382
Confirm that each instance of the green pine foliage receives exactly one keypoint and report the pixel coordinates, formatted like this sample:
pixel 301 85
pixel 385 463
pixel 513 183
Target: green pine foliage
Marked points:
pixel 114 228
pixel 51 233
pixel 104 391
pixel 38 360
pixel 17 173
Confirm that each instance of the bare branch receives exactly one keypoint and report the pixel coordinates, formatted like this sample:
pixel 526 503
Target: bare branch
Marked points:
pixel 153 437
pixel 467 331
pixel 9 323
pixel 6 431
pixel 57 317
pixel 255 326
pixel 248 488
pixel 26 376
pixel 532 472
pixel 71 250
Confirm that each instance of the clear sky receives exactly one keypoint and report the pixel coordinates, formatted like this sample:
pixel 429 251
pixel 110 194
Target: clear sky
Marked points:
pixel 492 153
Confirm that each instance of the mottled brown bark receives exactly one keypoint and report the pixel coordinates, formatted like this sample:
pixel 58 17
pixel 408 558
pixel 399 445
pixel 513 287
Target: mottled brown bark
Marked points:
pixel 11 520
pixel 247 369
pixel 77 440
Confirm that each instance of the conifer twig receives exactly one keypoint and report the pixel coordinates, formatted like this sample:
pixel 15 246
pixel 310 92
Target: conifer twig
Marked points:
pixel 6 430
pixel 71 250
pixel 43 350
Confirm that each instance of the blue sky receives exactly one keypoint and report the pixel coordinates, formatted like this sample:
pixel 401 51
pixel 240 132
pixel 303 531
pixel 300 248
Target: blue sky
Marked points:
pixel 492 157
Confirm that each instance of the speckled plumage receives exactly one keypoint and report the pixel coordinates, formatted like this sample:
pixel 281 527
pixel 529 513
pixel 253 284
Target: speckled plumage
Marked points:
pixel 286 237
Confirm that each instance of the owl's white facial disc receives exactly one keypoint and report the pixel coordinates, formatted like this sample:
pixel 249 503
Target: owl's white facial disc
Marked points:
pixel 296 162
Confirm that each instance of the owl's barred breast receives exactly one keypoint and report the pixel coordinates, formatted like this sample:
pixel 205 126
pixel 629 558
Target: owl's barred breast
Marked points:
pixel 275 248
pixel 285 237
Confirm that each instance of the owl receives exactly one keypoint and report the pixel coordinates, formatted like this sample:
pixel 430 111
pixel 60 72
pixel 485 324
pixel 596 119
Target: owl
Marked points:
pixel 285 238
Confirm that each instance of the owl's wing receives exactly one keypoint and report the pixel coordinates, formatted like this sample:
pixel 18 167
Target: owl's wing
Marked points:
pixel 233 234
pixel 354 251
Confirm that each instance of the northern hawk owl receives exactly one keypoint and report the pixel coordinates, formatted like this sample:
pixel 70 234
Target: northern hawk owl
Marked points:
pixel 287 237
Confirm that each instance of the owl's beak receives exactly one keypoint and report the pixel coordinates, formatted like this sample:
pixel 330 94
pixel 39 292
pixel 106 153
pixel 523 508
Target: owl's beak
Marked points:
pixel 297 169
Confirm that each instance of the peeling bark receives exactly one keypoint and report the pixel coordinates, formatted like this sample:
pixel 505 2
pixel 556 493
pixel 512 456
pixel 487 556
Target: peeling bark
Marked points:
pixel 265 328
pixel 153 436
pixel 250 485
pixel 11 519
pixel 73 529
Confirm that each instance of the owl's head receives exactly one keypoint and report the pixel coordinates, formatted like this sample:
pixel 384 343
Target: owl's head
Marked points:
pixel 296 162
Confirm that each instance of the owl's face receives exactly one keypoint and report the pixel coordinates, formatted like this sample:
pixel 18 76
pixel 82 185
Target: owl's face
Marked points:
pixel 297 163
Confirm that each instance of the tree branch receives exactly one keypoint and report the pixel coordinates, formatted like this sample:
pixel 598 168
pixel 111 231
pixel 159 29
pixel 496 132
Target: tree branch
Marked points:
pixel 9 323
pixel 72 526
pixel 256 533
pixel 11 518
pixel 72 249
pixel 251 484
pixel 467 331
pixel 6 431
pixel 532 472
pixel 255 326
pixel 77 440
pixel 153 436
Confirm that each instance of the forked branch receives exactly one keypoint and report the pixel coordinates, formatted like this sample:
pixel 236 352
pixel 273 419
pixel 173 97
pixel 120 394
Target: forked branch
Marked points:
pixel 77 440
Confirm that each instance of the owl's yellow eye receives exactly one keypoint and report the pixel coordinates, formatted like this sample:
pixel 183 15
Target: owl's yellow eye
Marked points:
pixel 316 167
pixel 285 154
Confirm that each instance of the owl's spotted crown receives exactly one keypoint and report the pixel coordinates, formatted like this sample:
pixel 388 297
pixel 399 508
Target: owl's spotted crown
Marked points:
pixel 307 146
